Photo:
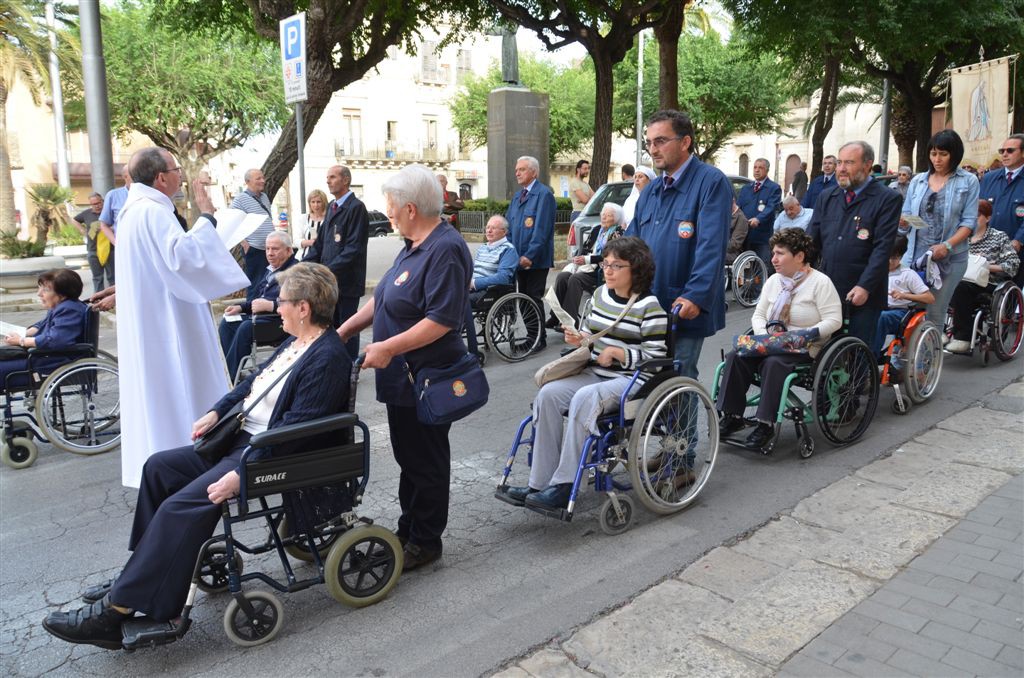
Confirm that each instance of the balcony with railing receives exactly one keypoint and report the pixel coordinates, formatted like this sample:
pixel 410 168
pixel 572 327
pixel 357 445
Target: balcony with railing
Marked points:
pixel 399 153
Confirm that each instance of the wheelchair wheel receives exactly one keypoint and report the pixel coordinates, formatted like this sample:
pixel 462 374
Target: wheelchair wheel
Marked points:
pixel 845 390
pixel 260 628
pixel 609 518
pixel 21 453
pixel 213 574
pixel 924 362
pixel 79 407
pixel 363 565
pixel 748 276
pixel 673 445
pixel 513 327
pixel 1007 322
pixel 300 549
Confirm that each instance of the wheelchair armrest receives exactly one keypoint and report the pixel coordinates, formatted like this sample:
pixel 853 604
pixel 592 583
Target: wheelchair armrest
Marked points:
pixel 653 364
pixel 78 350
pixel 304 429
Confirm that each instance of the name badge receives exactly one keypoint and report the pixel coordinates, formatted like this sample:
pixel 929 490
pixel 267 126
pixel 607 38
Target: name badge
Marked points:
pixel 760 206
pixel 337 237
pixel 685 229
pixel 403 276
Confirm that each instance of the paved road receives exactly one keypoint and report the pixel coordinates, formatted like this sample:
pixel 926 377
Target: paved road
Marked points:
pixel 509 579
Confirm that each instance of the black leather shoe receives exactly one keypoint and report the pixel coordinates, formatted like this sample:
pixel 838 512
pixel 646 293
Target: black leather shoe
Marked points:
pixel 97 591
pixel 553 323
pixel 517 495
pixel 553 497
pixel 95 624
pixel 760 436
pixel 731 423
pixel 415 556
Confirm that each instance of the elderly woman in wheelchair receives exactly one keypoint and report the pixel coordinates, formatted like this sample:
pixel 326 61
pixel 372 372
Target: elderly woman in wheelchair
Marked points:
pixel 638 335
pixel 181 496
pixel 796 298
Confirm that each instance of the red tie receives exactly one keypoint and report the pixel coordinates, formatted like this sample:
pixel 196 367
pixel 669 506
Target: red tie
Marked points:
pixel 334 209
pixel 757 186
pixel 850 195
pixel 669 181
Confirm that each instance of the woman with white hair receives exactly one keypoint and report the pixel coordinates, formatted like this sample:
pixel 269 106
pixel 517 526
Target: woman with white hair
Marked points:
pixel 584 276
pixel 417 312
pixel 643 176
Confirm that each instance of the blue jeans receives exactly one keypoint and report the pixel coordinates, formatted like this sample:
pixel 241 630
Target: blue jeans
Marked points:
pixel 888 323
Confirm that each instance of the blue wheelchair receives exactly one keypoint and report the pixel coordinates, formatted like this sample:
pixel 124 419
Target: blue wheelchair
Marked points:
pixel 664 432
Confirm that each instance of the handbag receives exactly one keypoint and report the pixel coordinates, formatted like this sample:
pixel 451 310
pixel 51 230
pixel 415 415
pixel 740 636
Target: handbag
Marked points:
pixel 577 360
pixel 793 342
pixel 977 270
pixel 447 394
pixel 215 444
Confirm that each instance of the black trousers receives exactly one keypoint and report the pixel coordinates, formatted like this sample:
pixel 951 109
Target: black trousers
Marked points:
pixel 570 288
pixel 531 282
pixel 964 302
pixel 738 376
pixel 173 517
pixel 425 459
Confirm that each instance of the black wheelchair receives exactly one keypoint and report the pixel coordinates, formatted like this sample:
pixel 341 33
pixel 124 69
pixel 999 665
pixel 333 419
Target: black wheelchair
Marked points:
pixel 267 334
pixel 68 397
pixel 360 562
pixel 746 276
pixel 663 433
pixel 998 323
pixel 508 323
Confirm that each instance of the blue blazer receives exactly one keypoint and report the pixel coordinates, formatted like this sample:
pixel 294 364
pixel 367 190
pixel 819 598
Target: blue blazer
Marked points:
pixel 63 326
pixel 1007 202
pixel 815 189
pixel 749 201
pixel 267 286
pixel 855 239
pixel 341 246
pixel 687 228
pixel 532 226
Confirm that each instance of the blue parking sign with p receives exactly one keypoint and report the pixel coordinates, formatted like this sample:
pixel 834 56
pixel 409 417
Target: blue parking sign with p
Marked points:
pixel 292 39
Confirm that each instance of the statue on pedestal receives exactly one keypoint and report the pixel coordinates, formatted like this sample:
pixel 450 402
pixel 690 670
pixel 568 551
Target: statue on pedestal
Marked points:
pixel 509 53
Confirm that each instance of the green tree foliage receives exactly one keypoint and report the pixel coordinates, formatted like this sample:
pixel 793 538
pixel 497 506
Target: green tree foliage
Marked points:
pixel 196 96
pixel 725 87
pixel 571 96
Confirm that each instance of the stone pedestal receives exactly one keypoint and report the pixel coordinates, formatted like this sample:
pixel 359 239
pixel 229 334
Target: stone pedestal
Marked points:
pixel 518 124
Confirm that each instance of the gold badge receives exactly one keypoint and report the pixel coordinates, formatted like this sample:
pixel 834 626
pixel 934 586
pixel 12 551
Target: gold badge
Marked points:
pixel 528 222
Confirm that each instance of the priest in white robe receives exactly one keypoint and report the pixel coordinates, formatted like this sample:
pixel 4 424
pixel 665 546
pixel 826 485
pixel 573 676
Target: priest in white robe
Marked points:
pixel 171 366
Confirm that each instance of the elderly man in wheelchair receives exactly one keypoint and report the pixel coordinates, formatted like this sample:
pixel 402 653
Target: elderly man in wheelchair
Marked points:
pixel 181 495
pixel 494 266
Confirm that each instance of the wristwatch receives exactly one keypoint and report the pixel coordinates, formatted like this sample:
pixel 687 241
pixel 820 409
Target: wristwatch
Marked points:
pixel 949 248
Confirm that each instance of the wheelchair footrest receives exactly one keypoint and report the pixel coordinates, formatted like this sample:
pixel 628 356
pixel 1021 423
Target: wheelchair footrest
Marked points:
pixel 558 514
pixel 501 494
pixel 141 632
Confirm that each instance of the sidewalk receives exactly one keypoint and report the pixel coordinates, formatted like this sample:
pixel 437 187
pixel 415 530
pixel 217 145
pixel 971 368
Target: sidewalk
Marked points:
pixel 909 567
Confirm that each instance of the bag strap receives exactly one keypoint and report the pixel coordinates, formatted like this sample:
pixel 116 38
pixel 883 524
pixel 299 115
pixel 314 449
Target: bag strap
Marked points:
pixel 243 413
pixel 592 339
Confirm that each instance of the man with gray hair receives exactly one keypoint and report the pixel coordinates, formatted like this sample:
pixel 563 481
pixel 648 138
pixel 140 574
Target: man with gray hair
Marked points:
pixel 531 218
pixel 236 328
pixel 902 181
pixel 253 200
pixel 495 263
pixel 793 215
pixel 853 226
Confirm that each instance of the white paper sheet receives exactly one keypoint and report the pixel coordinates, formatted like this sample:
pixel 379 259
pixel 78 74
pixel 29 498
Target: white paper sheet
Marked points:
pixel 234 225
pixel 10 328
pixel 915 221
pixel 557 309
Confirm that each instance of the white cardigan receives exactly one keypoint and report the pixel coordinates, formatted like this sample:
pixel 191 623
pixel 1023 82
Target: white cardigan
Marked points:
pixel 815 303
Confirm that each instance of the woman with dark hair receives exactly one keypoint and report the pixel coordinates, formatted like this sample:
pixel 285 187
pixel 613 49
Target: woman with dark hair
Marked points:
pixel 628 271
pixel 946 198
pixel 1003 263
pixel 63 326
pixel 797 297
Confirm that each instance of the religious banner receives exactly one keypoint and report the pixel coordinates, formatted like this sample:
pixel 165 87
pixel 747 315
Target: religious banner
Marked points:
pixel 980 98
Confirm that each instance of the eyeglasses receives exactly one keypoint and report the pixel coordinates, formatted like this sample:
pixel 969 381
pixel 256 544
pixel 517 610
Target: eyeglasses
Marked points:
pixel 1001 151
pixel 615 267
pixel 173 169
pixel 282 300
pixel 658 142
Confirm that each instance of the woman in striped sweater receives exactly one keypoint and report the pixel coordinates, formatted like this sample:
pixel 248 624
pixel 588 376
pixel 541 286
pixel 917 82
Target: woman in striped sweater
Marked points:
pixel 628 270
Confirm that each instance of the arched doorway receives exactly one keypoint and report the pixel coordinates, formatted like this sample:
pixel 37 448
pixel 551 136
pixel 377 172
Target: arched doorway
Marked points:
pixel 792 166
pixel 744 165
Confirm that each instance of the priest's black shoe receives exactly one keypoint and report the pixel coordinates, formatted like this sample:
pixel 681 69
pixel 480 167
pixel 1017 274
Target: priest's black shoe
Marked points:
pixel 97 591
pixel 415 556
pixel 731 423
pixel 518 495
pixel 760 436
pixel 95 624
pixel 553 497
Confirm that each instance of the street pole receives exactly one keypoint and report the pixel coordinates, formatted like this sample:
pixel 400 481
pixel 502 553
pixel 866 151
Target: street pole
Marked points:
pixel 302 161
pixel 63 176
pixel 883 144
pixel 639 97
pixel 94 73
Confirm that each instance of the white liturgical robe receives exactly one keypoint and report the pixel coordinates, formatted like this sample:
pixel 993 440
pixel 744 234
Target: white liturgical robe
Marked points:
pixel 170 362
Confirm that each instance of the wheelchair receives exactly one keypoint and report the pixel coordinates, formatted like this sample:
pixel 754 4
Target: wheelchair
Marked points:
pixel 508 323
pixel 74 404
pixel 358 561
pixel 746 276
pixel 663 431
pixel 998 325
pixel 267 334
pixel 844 385
pixel 912 361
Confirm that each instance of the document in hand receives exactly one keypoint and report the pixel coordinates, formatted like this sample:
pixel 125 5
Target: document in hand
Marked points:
pixel 10 328
pixel 557 309
pixel 915 221
pixel 234 226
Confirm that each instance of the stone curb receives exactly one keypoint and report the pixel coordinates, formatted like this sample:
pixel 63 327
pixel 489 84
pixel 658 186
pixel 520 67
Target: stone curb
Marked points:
pixel 745 609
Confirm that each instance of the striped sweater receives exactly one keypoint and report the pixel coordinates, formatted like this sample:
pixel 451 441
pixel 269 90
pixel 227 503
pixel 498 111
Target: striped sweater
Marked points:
pixel 250 203
pixel 641 333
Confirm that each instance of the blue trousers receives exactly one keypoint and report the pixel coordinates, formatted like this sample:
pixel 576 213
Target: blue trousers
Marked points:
pixel 888 323
pixel 864 323
pixel 236 342
pixel 255 264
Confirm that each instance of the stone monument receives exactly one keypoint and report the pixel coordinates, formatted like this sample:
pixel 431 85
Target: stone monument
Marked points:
pixel 518 124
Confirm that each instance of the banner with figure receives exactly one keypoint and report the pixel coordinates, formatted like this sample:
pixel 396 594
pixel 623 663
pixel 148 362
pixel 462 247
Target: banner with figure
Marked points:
pixel 980 97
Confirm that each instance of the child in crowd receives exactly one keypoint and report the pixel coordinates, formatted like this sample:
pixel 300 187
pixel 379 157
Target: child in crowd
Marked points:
pixel 905 289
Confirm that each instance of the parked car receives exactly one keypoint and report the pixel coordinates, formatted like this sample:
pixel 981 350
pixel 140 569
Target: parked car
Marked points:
pixel 380 225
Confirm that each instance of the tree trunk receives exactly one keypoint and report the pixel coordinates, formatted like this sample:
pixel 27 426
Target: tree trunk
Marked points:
pixel 904 129
pixel 668 33
pixel 920 106
pixel 7 224
pixel 190 170
pixel 826 112
pixel 605 85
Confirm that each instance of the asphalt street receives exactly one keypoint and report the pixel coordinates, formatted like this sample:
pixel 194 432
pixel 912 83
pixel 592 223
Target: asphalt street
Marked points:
pixel 509 580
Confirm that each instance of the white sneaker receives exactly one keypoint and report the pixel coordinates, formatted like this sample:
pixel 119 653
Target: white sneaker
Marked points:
pixel 958 346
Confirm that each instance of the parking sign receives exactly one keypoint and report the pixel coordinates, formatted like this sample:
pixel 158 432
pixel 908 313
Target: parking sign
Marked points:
pixel 293 57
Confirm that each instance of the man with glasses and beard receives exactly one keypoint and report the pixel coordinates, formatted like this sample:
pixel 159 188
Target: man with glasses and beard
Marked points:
pixel 1005 190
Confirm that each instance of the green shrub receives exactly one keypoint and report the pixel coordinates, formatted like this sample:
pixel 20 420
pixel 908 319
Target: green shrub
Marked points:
pixel 11 247
pixel 67 235
pixel 501 206
pixel 563 204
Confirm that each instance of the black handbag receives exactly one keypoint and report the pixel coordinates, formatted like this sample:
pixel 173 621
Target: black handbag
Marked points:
pixel 216 443
pixel 447 394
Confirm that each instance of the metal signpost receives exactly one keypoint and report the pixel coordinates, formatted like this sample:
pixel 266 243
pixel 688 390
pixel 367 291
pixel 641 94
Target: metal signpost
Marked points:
pixel 293 64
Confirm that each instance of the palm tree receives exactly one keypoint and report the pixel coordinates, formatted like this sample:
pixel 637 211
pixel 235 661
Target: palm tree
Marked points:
pixel 24 54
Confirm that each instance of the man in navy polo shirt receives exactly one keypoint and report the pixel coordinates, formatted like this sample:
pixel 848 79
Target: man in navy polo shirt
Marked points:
pixel 1005 190
pixel 684 216
pixel 759 201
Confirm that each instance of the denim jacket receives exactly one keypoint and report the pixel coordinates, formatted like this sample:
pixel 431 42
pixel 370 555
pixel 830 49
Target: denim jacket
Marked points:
pixel 961 209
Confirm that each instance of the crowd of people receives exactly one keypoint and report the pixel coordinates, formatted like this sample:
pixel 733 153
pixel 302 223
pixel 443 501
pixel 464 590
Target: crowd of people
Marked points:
pixel 856 241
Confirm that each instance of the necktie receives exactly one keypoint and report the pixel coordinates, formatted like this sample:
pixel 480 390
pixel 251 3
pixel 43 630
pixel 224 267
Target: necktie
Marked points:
pixel 522 195
pixel 757 186
pixel 825 182
pixel 1009 177
pixel 850 195
pixel 669 181
pixel 334 209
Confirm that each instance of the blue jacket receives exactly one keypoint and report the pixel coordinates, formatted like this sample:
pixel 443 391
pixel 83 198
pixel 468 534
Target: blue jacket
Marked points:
pixel 1007 202
pixel 63 326
pixel 267 286
pixel 815 189
pixel 687 228
pixel 341 246
pixel 855 239
pixel 532 226
pixel 762 205
pixel 961 209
